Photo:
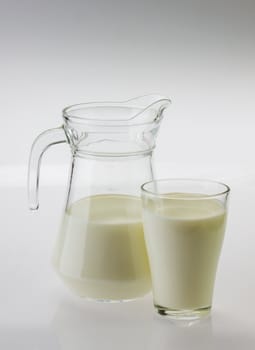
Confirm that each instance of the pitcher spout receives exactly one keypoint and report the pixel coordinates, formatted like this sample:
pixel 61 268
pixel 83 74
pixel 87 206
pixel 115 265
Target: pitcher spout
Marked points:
pixel 148 108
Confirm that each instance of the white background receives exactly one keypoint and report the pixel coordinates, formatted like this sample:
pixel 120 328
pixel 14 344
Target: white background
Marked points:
pixel 55 53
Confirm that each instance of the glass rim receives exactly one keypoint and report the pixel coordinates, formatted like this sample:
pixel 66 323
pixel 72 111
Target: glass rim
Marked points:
pixel 71 117
pixel 185 180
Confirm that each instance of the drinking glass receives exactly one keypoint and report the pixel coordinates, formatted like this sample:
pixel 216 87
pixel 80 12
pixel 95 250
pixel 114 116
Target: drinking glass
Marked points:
pixel 184 223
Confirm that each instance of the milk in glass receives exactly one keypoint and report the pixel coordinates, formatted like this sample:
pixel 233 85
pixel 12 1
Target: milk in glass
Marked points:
pixel 184 239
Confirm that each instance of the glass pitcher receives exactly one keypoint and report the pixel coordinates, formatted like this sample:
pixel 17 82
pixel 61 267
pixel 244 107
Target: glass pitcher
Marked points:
pixel 100 251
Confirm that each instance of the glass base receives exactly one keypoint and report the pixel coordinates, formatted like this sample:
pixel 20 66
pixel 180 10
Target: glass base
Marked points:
pixel 185 315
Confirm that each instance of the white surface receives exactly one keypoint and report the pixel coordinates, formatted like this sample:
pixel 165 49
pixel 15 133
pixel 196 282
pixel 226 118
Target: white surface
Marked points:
pixel 37 312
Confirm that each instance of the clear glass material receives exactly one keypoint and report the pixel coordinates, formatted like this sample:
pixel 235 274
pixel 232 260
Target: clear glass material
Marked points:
pixel 100 251
pixel 184 224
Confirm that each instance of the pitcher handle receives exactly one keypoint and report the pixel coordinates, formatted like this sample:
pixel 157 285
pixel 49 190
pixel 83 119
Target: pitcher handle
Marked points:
pixel 40 145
